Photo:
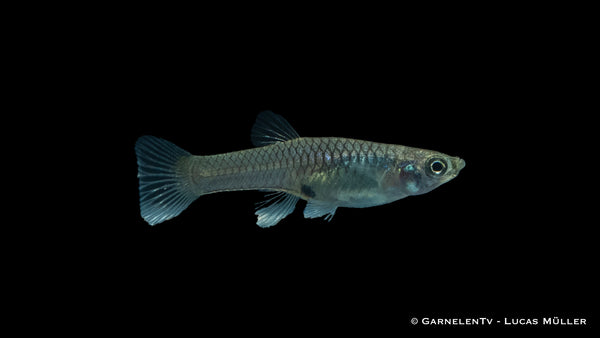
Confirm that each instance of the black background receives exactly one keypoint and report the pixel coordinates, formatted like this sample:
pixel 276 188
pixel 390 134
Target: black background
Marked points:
pixel 510 236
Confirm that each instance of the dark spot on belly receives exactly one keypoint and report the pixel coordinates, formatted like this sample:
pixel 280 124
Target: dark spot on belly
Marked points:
pixel 306 190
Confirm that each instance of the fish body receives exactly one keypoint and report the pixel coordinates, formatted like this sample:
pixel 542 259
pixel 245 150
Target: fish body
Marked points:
pixel 327 172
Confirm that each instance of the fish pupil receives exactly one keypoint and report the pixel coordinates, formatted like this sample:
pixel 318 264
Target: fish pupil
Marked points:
pixel 437 166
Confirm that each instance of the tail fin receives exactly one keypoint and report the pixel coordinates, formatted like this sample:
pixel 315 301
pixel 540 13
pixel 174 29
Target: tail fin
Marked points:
pixel 164 190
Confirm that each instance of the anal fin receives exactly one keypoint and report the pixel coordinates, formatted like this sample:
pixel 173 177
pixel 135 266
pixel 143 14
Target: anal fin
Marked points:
pixel 316 208
pixel 278 206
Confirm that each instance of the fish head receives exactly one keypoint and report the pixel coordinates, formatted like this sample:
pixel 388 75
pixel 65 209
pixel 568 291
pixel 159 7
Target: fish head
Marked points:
pixel 427 171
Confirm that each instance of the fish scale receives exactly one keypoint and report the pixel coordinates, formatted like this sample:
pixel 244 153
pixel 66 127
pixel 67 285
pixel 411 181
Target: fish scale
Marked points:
pixel 285 165
pixel 327 172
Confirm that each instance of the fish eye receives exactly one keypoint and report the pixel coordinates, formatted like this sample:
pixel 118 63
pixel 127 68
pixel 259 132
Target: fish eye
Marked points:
pixel 437 166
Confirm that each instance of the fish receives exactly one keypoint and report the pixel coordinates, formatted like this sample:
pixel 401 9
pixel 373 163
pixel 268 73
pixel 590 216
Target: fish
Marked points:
pixel 327 172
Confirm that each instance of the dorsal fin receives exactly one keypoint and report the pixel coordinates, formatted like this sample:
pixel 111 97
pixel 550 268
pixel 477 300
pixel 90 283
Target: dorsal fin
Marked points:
pixel 270 128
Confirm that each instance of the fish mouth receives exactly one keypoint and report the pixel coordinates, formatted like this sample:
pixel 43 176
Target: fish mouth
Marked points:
pixel 460 164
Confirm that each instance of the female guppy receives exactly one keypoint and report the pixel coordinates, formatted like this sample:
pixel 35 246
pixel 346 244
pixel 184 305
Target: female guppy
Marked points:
pixel 327 172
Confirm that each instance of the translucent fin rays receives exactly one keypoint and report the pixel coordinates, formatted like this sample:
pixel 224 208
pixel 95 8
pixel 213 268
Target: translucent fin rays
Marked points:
pixel 277 206
pixel 270 128
pixel 163 194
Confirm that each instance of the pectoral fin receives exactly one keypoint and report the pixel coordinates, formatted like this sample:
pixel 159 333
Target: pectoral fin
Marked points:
pixel 316 208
